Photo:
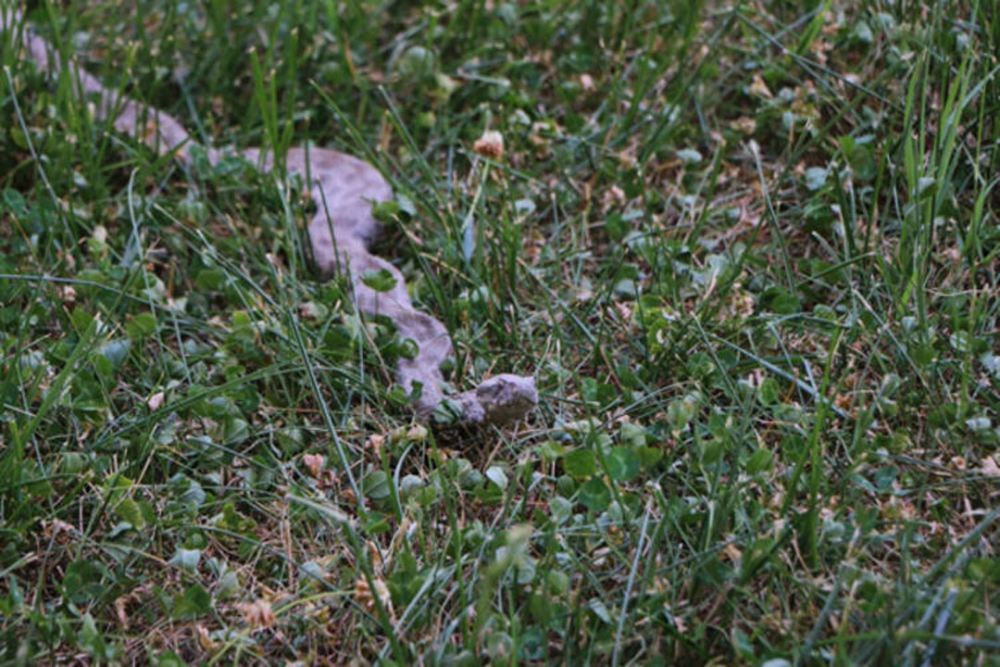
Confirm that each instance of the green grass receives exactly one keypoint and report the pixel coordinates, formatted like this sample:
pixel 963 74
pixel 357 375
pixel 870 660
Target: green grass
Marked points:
pixel 749 251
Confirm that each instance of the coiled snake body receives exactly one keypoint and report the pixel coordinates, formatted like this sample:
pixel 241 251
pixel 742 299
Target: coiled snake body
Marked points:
pixel 343 189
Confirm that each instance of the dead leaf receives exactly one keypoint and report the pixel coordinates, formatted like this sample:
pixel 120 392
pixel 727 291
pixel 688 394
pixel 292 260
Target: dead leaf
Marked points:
pixel 204 640
pixel 155 401
pixel 258 614
pixel 363 595
pixel 314 462
pixel 990 467
pixel 759 89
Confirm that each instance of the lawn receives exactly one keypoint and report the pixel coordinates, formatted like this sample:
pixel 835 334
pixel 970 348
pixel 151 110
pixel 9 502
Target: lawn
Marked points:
pixel 748 249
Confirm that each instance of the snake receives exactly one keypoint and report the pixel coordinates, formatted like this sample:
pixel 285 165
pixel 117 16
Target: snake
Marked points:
pixel 343 227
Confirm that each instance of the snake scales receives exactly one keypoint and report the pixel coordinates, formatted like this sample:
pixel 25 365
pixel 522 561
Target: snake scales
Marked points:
pixel 343 189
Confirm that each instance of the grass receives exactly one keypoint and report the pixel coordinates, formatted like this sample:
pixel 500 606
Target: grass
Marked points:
pixel 748 249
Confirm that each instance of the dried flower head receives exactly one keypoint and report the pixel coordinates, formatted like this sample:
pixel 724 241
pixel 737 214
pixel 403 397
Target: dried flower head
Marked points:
pixel 490 145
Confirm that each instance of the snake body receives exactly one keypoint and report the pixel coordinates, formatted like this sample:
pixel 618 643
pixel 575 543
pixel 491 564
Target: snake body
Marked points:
pixel 343 189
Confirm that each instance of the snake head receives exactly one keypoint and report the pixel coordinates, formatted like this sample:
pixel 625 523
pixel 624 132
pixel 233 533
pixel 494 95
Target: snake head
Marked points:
pixel 507 398
pixel 501 400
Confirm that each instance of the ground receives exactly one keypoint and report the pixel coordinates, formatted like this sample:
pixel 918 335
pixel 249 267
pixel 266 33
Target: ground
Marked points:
pixel 747 249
